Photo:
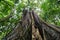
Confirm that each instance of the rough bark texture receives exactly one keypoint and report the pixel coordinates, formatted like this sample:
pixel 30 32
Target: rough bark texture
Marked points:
pixel 31 27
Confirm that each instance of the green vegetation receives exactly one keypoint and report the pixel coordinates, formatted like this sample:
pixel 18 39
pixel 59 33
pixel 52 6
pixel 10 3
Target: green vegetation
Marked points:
pixel 11 12
pixel 51 11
